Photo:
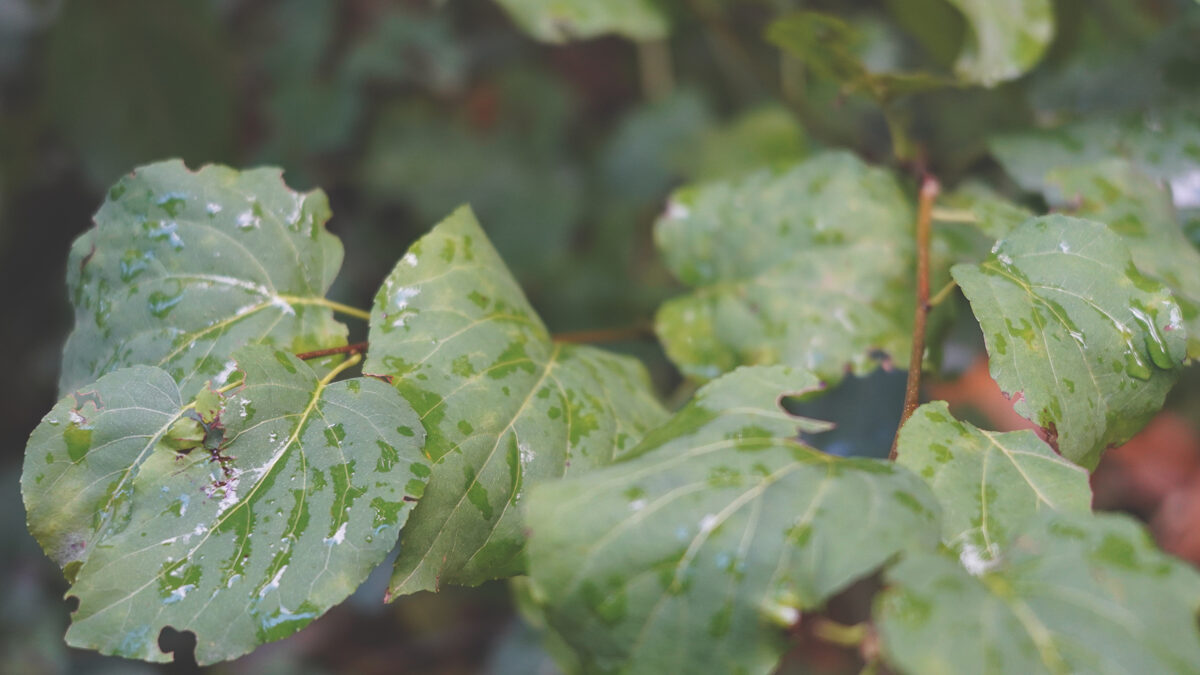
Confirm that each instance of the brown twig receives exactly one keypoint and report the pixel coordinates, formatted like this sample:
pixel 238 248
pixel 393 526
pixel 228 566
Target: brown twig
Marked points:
pixel 356 348
pixel 639 332
pixel 912 391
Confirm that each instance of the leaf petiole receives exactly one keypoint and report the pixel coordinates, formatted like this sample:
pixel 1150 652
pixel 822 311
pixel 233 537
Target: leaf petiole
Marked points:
pixel 325 302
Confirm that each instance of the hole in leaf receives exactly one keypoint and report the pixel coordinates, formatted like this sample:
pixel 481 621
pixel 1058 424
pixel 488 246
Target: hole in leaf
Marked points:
pixel 183 645
pixel 865 412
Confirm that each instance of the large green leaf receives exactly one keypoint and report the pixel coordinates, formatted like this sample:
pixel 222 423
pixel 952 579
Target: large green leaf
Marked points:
pixel 696 553
pixel 1139 209
pixel 1073 594
pixel 778 259
pixel 1164 143
pixel 1006 38
pixel 247 541
pixel 503 406
pixel 989 484
pixel 183 268
pixel 1087 344
pixel 558 21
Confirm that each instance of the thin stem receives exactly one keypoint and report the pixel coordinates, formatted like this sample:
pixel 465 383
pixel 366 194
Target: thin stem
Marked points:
pixel 356 348
pixel 840 634
pixel 640 332
pixel 912 391
pixel 940 297
pixel 325 302
pixel 341 367
pixel 954 216
pixel 654 66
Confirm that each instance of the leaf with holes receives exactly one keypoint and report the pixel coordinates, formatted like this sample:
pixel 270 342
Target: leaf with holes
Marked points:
pixel 1139 209
pixel 250 537
pixel 183 268
pixel 777 259
pixel 714 535
pixel 989 484
pixel 1088 344
pixel 503 406
pixel 559 21
pixel 1074 594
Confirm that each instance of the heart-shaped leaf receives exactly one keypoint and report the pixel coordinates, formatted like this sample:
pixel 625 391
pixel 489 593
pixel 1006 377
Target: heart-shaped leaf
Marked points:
pixel 778 262
pixel 1088 344
pixel 297 491
pixel 989 484
pixel 559 21
pixel 1074 594
pixel 183 268
pixel 697 552
pixel 503 406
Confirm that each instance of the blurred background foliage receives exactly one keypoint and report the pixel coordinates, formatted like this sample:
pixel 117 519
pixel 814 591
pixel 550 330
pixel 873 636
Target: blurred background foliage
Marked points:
pixel 401 110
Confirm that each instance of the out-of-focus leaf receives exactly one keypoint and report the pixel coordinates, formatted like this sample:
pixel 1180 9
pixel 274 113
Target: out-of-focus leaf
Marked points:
pixel 132 82
pixel 828 46
pixel 514 174
pixel 184 267
pixel 989 484
pixel 715 534
pixel 1005 38
pixel 562 20
pixel 503 406
pixel 778 262
pixel 1086 343
pixel 406 47
pixel 1138 209
pixel 1163 143
pixel 245 542
pixel 766 137
pixel 1072 594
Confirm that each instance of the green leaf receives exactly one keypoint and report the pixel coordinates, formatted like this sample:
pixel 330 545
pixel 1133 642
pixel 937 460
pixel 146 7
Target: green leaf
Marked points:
pixel 1163 143
pixel 503 406
pixel 1073 594
pixel 698 552
pixel 1088 345
pixel 1139 209
pixel 247 542
pixel 778 259
pixel 989 484
pixel 120 108
pixel 767 136
pixel 830 47
pixel 1005 38
pixel 183 267
pixel 559 21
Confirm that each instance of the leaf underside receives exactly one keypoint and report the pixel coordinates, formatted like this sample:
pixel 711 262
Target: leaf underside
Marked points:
pixel 1006 38
pixel 182 268
pixel 1087 345
pixel 696 553
pixel 504 407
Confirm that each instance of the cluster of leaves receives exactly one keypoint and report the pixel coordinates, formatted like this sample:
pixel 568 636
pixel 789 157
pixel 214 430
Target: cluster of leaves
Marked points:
pixel 197 474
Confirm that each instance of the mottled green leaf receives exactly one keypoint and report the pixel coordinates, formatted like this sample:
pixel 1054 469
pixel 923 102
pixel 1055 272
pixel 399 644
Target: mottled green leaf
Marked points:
pixel 1073 594
pixel 248 541
pixel 183 267
pixel 1085 343
pixel 558 21
pixel 697 553
pixel 830 47
pixel 503 406
pixel 1139 209
pixel 1005 38
pixel 778 262
pixel 989 484
pixel 1163 143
